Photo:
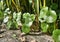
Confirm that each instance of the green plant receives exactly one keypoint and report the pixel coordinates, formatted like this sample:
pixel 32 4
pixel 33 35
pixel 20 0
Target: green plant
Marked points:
pixel 12 25
pixel 28 18
pixel 47 18
pixel 56 35
pixel 12 20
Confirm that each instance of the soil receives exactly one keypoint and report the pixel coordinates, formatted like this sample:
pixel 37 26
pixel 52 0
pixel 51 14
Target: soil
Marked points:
pixel 18 36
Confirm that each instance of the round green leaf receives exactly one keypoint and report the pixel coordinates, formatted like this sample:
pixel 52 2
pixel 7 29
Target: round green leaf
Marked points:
pixel 32 16
pixel 26 15
pixel 44 27
pixel 47 15
pixel 43 13
pixel 51 16
pixel 25 28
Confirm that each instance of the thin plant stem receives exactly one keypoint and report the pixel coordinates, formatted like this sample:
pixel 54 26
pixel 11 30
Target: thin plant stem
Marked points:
pixel 15 5
pixel 7 3
pixel 44 3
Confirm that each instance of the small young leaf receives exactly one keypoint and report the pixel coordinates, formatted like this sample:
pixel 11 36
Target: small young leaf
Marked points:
pixel 44 27
pixel 25 28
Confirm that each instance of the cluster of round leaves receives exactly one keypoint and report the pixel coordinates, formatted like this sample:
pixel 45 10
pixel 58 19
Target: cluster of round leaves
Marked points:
pixel 12 20
pixel 28 18
pixel 47 16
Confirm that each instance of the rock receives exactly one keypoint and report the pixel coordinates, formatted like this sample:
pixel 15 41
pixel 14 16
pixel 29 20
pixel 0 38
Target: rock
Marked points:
pixel 3 40
pixel 22 39
pixel 2 30
pixel 40 38
pixel 46 38
pixel 3 26
pixel 12 40
pixel 30 39
pixel 1 36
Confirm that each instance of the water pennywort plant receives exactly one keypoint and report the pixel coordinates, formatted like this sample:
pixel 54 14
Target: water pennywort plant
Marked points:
pixel 47 16
pixel 12 20
pixel 28 18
